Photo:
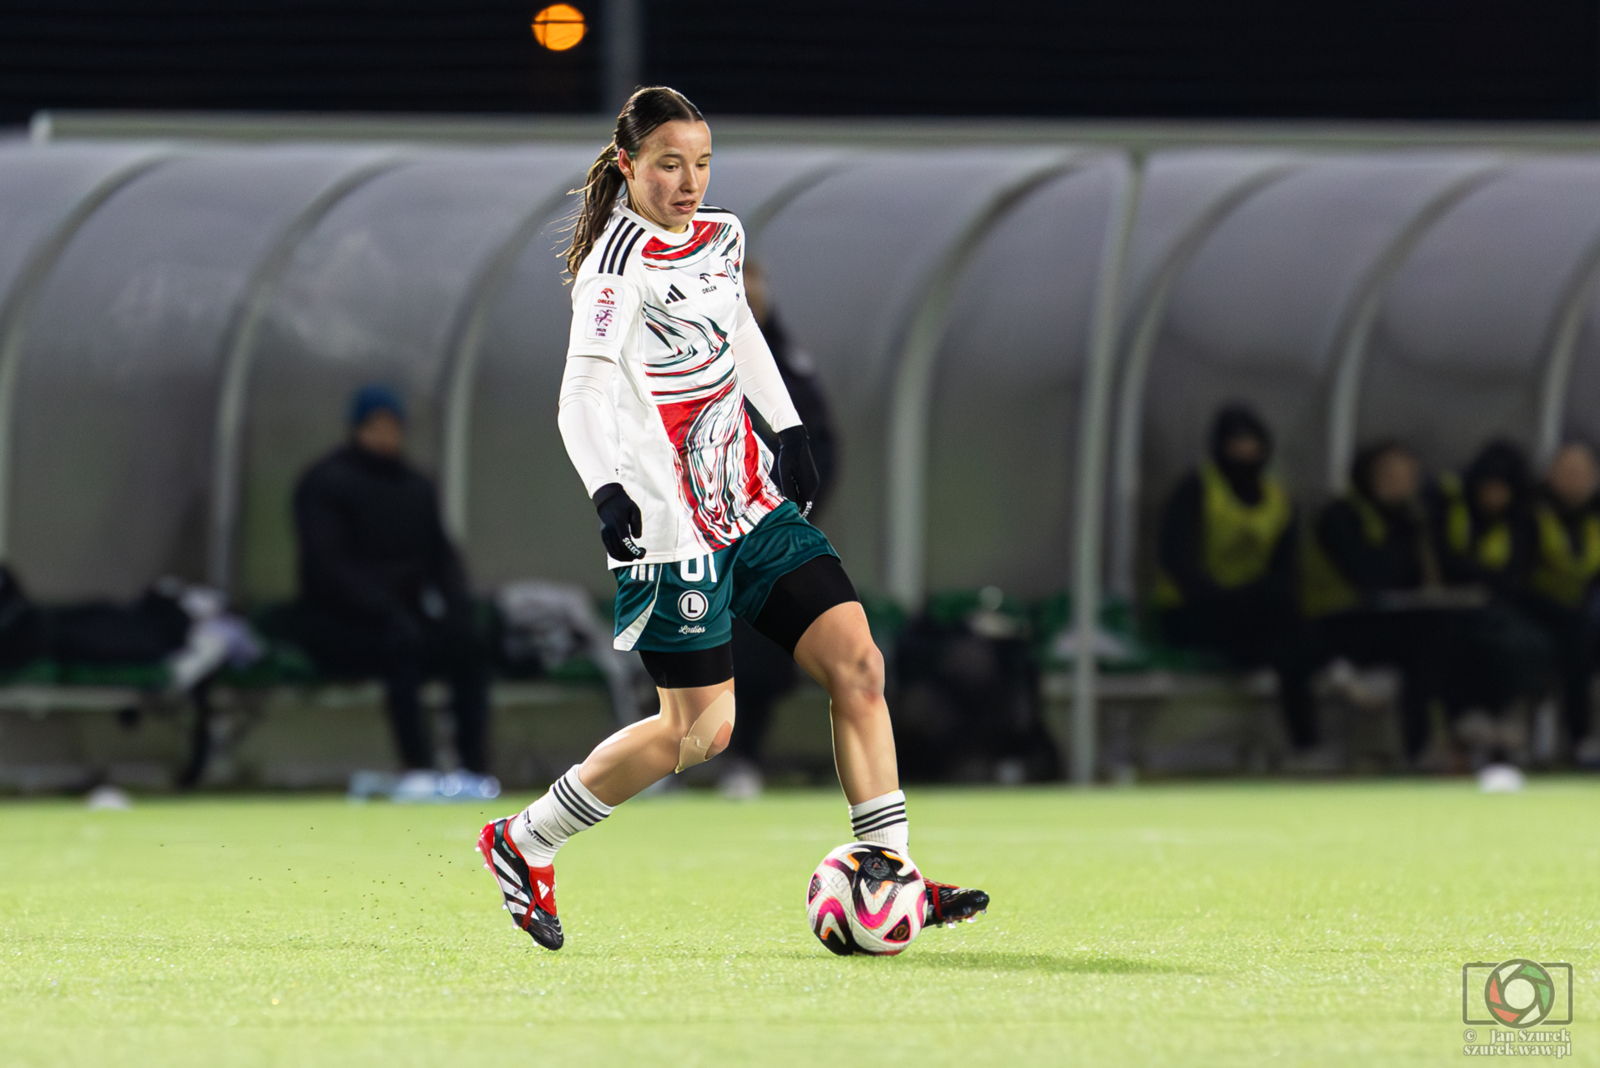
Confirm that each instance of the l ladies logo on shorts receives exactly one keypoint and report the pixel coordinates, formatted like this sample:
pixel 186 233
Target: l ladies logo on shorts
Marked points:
pixel 692 605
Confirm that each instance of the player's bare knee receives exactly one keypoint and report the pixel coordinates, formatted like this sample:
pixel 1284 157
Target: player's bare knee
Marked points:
pixel 669 737
pixel 709 734
pixel 858 673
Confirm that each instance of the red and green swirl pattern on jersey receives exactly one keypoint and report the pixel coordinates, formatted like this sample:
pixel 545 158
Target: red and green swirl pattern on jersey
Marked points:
pixel 708 236
pixel 695 386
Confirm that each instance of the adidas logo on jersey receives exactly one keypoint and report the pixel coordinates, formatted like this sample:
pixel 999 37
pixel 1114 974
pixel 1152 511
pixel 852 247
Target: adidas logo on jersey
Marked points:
pixel 673 295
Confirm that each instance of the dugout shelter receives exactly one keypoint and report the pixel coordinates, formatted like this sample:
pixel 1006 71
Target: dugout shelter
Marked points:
pixel 1023 333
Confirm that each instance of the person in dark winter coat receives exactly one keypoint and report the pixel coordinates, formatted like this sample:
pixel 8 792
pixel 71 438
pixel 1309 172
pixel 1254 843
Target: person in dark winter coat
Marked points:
pixel 1562 594
pixel 1228 547
pixel 1484 523
pixel 763 674
pixel 1369 575
pixel 382 590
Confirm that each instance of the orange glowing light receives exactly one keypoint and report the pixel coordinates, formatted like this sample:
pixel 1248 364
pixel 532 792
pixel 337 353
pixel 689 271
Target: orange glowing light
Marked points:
pixel 559 27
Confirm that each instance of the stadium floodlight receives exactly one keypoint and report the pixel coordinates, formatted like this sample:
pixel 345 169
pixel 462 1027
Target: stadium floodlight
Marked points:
pixel 559 27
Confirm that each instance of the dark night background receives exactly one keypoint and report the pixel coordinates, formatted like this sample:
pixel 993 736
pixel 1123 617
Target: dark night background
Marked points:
pixel 1444 59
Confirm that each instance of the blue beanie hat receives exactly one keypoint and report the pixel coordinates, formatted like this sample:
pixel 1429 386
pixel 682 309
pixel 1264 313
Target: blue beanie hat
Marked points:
pixel 372 398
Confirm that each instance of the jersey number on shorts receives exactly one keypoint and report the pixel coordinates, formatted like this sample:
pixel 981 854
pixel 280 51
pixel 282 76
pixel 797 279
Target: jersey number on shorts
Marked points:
pixel 695 570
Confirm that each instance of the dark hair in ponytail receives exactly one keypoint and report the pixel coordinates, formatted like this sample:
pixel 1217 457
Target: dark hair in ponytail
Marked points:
pixel 646 111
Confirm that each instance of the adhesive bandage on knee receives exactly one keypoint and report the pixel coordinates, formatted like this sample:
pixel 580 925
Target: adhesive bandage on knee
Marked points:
pixel 709 734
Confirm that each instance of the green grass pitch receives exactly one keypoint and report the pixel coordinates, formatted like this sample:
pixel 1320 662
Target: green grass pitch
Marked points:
pixel 1184 925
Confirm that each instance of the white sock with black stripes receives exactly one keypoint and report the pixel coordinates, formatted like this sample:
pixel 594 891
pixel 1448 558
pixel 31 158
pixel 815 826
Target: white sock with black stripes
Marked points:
pixel 882 821
pixel 544 826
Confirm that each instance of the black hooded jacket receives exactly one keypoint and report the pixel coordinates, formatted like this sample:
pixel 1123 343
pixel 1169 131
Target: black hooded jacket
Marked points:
pixel 371 540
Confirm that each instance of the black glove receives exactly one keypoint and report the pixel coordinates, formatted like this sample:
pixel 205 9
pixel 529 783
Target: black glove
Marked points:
pixel 620 522
pixel 797 471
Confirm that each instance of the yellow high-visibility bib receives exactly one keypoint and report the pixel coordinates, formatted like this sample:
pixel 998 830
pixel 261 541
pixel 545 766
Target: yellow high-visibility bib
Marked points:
pixel 1323 589
pixel 1562 573
pixel 1236 539
pixel 1491 549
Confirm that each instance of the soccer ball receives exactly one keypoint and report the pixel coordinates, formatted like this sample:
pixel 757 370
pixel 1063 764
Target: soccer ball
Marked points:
pixel 866 898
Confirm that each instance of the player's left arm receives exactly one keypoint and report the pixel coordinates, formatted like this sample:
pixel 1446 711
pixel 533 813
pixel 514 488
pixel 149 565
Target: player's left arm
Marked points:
pixel 758 373
pixel 763 386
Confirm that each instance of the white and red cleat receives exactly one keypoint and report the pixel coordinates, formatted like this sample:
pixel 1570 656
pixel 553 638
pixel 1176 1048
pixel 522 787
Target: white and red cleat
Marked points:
pixel 530 893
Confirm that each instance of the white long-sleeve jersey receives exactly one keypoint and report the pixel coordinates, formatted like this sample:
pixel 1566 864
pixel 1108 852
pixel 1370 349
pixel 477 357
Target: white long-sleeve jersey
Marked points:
pixel 662 354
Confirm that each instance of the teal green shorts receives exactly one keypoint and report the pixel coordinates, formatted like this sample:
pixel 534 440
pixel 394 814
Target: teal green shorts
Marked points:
pixel 690 605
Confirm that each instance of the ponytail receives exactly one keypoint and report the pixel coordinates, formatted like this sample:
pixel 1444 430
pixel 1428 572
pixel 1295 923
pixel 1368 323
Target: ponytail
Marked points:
pixel 599 191
pixel 645 111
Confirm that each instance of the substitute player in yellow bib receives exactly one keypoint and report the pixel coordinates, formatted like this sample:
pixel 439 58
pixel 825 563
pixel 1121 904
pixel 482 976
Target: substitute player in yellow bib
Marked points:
pixel 700 521
pixel 1562 586
pixel 1229 578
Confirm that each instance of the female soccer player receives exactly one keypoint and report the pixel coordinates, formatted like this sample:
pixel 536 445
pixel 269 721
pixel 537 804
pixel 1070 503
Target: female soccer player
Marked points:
pixel 699 524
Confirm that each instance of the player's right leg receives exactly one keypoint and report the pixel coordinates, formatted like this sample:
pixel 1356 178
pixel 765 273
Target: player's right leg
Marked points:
pixel 636 757
pixel 520 850
pixel 677 617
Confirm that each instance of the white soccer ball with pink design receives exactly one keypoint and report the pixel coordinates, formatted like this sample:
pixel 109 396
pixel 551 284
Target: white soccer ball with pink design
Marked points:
pixel 866 898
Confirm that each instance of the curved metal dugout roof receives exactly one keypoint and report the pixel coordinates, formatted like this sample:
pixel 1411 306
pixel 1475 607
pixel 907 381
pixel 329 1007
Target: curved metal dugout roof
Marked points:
pixel 179 326
pixel 1479 320
pixel 385 287
pixel 49 196
pixel 215 305
pixel 1270 298
pixel 1014 338
pixel 114 382
pixel 1005 387
pixel 1572 412
pixel 861 266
